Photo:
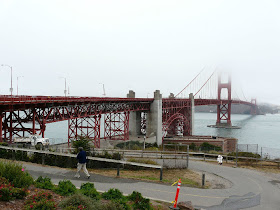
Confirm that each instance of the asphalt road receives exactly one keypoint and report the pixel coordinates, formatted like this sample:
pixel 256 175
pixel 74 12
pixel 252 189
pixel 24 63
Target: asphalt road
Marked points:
pixel 250 189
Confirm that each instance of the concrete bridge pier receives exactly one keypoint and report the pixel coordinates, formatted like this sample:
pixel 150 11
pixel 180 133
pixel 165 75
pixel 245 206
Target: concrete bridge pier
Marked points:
pixel 134 119
pixel 154 118
pixel 192 109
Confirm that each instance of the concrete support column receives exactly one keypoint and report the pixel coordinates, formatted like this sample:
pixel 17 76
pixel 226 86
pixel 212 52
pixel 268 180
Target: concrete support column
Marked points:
pixel 154 118
pixel 191 97
pixel 134 119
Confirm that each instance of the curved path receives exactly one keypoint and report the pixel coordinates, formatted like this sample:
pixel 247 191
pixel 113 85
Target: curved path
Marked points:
pixel 250 189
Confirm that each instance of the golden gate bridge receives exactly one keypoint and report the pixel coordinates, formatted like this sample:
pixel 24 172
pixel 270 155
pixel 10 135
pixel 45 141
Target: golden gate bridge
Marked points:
pixel 27 115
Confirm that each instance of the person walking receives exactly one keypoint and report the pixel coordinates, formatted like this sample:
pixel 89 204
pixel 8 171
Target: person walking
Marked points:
pixel 82 159
pixel 220 159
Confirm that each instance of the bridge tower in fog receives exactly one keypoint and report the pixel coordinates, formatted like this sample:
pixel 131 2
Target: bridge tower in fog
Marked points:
pixel 224 108
pixel 254 106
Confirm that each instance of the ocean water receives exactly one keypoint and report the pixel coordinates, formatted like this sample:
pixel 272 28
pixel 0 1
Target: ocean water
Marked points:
pixel 263 130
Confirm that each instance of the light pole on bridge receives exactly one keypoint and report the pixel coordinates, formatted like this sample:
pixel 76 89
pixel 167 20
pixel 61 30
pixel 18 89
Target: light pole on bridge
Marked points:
pixel 17 83
pixel 65 89
pixel 11 116
pixel 11 89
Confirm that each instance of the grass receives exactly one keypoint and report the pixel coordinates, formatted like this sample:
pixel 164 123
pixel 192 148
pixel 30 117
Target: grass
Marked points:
pixel 145 161
pixel 188 177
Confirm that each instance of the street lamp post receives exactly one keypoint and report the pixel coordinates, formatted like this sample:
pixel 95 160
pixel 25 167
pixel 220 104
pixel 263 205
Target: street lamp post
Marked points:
pixel 17 83
pixel 11 116
pixel 65 89
pixel 11 89
pixel 104 94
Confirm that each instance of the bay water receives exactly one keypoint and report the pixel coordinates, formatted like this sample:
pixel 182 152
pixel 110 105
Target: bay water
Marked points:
pixel 263 130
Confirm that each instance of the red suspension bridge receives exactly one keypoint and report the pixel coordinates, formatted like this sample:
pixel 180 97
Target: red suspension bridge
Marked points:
pixel 25 115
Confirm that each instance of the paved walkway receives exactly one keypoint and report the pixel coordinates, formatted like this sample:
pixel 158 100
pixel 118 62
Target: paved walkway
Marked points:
pixel 250 189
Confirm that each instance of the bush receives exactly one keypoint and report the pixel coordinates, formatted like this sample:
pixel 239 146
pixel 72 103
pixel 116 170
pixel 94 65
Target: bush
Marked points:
pixel 5 144
pixel 245 154
pixel 136 145
pixel 65 188
pixel 79 201
pixel 142 204
pixel 8 192
pixel 193 146
pixel 113 194
pixel 14 173
pixel 3 180
pixel 88 190
pixel 139 202
pixel 113 205
pixel 116 156
pixel 44 183
pixel 81 142
pixel 43 200
pixel 205 146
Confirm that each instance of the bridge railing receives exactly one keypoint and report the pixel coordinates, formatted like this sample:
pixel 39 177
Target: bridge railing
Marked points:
pixel 40 99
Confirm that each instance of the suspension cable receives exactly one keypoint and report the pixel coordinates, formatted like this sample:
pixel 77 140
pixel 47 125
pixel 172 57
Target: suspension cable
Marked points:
pixel 190 82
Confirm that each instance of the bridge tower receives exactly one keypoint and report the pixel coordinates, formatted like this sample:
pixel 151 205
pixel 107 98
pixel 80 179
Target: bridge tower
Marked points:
pixel 254 106
pixel 224 108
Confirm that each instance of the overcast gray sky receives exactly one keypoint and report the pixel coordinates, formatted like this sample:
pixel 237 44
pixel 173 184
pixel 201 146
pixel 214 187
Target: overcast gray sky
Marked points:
pixel 141 45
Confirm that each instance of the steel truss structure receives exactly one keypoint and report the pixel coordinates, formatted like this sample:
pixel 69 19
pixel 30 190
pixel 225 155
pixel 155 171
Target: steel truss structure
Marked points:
pixel 176 117
pixel 116 126
pixel 24 115
pixel 83 117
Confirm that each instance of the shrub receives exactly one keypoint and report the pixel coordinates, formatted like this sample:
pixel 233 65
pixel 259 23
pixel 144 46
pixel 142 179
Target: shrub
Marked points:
pixel 44 183
pixel 3 180
pixel 136 145
pixel 4 144
pixel 113 194
pixel 81 142
pixel 134 196
pixel 116 156
pixel 65 188
pixel 142 204
pixel 113 205
pixel 193 146
pixel 88 189
pixel 205 146
pixel 14 173
pixel 79 201
pixel 42 200
pixel 8 192
pixel 245 154
pixel 139 202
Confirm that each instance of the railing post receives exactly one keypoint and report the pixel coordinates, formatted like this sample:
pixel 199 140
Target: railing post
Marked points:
pixel 13 155
pixel 204 156
pixel 118 170
pixel 43 159
pixel 261 157
pixel 203 179
pixel 236 155
pixel 188 147
pixel 160 176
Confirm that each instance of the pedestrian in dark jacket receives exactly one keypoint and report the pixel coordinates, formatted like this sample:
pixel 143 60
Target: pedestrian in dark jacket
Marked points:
pixel 82 159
